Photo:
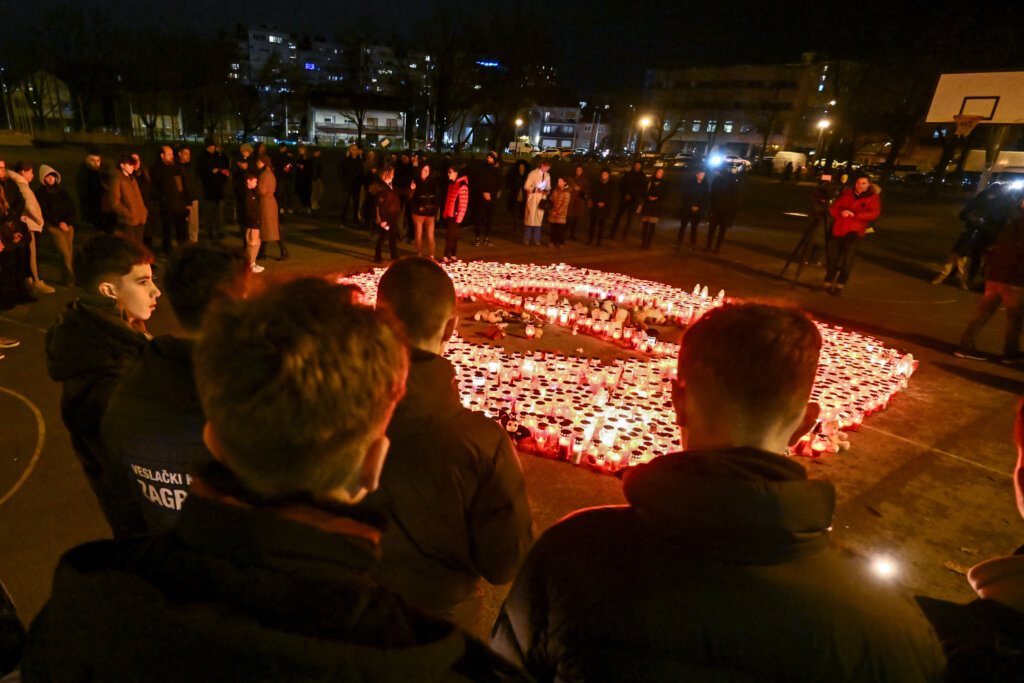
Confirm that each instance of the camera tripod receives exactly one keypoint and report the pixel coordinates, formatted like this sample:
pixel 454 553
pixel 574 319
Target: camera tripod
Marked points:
pixel 800 253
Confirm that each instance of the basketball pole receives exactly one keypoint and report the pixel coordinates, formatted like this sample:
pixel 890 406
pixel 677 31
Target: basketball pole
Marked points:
pixel 992 151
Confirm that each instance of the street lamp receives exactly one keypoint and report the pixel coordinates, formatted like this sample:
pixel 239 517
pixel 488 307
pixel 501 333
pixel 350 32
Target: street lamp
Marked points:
pixel 644 122
pixel 823 125
pixel 519 122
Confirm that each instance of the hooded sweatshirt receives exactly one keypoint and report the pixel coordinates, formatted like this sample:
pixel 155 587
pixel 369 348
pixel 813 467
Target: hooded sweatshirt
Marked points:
pixel 32 214
pixel 55 202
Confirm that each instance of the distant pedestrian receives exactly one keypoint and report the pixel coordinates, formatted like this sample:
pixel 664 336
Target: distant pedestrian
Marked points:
pixel 303 173
pixel 631 190
pixel 388 210
pixel 59 217
pixel 1004 287
pixel 696 197
pixel 515 195
pixel 653 198
pixel 537 187
pixel 560 198
pixel 213 169
pixel 32 216
pixel 455 206
pixel 316 173
pixel 193 191
pixel 285 173
pixel 579 187
pixel 250 218
pixel 600 202
pixel 425 203
pixel 270 227
pixel 722 202
pixel 350 172
pixel 983 216
pixel 126 201
pixel 853 213
pixel 91 186
pixel 170 195
pixel 486 189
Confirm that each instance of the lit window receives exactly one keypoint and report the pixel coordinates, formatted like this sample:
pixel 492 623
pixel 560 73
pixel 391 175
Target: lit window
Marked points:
pixel 275 39
pixel 727 127
pixel 712 126
pixel 696 127
pixel 821 87
pixel 310 66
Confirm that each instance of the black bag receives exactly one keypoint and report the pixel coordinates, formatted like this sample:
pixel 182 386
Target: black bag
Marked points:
pixel 545 204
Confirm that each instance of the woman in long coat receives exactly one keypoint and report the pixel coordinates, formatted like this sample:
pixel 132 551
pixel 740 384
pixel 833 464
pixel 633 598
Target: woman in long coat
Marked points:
pixel 270 230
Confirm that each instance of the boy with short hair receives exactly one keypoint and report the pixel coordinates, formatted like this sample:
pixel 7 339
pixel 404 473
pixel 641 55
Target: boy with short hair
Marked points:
pixel 93 342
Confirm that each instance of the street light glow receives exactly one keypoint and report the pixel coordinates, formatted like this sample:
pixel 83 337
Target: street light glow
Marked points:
pixel 645 121
pixel 885 567
pixel 824 123
pixel 519 122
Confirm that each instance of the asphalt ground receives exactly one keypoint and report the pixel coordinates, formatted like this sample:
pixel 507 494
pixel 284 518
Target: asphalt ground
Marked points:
pixel 927 482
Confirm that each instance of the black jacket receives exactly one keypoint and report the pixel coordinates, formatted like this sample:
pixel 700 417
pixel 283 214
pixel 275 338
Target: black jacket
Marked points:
pixel 696 194
pixel 208 168
pixel 56 205
pixel 87 350
pixel 720 568
pixel 653 197
pixel 632 186
pixel 169 188
pixel 236 593
pixel 488 179
pixel 453 491
pixel 425 199
pixel 153 429
pixel 601 192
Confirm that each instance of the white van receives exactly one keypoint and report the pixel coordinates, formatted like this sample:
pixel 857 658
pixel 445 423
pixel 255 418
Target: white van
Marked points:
pixel 798 159
pixel 521 148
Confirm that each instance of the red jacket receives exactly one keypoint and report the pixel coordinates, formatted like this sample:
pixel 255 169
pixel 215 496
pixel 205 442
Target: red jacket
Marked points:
pixel 866 208
pixel 458 200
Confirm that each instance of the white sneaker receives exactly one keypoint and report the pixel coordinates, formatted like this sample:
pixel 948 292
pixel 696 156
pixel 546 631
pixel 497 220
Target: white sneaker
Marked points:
pixel 257 268
pixel 8 343
pixel 42 288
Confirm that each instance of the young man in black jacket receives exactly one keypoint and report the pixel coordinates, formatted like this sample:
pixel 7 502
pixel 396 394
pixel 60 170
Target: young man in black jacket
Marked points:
pixel 453 489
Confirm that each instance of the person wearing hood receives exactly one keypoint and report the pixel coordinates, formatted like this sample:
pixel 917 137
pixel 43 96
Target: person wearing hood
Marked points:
pixel 720 565
pixel 852 214
pixel 453 490
pixel 94 341
pixel 59 217
pixel 32 217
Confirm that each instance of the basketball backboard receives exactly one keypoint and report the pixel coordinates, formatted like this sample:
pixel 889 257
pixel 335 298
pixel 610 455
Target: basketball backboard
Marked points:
pixel 996 96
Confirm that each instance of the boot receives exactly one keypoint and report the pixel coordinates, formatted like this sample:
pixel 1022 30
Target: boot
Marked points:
pixel 284 251
pixel 946 270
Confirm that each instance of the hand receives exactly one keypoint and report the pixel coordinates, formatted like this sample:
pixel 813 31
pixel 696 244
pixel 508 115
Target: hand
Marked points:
pixel 412 186
pixel 63 226
pixel 487 196
pixel 384 226
pixel 847 213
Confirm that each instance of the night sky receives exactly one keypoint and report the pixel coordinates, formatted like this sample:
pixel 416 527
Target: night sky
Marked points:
pixel 607 44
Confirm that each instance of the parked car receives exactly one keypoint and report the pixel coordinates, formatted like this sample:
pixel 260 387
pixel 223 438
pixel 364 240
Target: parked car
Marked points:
pixel 736 163
pixel 548 153
pixel 686 160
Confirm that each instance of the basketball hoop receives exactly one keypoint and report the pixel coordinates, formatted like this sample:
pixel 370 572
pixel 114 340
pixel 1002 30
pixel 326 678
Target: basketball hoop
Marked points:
pixel 965 123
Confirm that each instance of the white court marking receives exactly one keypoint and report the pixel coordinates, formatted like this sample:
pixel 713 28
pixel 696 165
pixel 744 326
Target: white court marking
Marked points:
pixel 41 439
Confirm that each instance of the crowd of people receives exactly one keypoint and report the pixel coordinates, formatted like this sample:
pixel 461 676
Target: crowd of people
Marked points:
pixel 296 491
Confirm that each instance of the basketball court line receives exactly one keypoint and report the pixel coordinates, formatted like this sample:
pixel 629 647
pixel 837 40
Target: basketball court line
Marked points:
pixel 1008 475
pixel 39 444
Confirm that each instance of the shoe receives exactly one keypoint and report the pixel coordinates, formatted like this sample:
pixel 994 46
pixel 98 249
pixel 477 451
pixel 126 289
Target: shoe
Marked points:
pixel 487 243
pixel 8 343
pixel 283 256
pixel 938 280
pixel 970 354
pixel 41 287
pixel 476 243
pixel 836 290
pixel 256 268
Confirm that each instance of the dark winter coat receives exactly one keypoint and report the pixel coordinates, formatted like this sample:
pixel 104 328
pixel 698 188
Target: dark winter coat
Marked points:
pixel 453 492
pixel 426 199
pixel 208 168
pixel 88 349
pixel 153 429
pixel 237 593
pixel 251 214
pixel 653 197
pixel 601 193
pixel 865 207
pixel 696 194
pixel 580 188
pixel 169 188
pixel 720 568
pixel 126 200
pixel 488 179
pixel 724 194
pixel 56 205
pixel 89 186
pixel 389 204
pixel 632 185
